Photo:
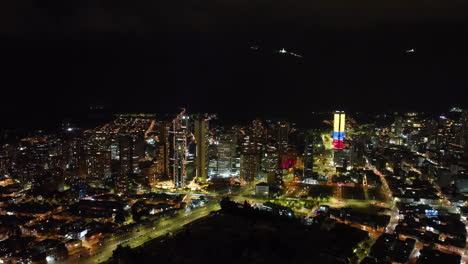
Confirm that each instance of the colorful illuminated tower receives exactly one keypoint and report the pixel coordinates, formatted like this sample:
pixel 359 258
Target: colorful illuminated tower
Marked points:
pixel 338 130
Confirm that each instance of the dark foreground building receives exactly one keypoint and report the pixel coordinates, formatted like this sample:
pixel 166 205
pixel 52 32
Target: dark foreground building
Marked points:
pixel 250 236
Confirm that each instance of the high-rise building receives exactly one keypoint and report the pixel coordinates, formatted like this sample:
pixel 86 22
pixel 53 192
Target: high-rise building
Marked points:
pixel 98 165
pixel 249 160
pixel 228 158
pixel 283 135
pixel 249 164
pixel 257 132
pixel 224 160
pixel 138 150
pixel 96 157
pixel 178 149
pixel 201 127
pixel 162 163
pixel 338 130
pixel 125 164
pixel 270 159
pixel 250 152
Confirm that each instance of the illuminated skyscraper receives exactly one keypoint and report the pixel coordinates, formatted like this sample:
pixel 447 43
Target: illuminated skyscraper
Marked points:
pixel 283 135
pixel 224 161
pixel 178 148
pixel 338 130
pixel 162 163
pixel 249 164
pixel 270 157
pixel 98 165
pixel 249 159
pixel 257 133
pixel 201 126
pixel 125 163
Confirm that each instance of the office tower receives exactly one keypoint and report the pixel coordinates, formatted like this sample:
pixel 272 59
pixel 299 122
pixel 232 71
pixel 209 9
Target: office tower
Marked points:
pixel 227 159
pixel 201 127
pixel 125 164
pixel 283 135
pixel 270 159
pixel 178 149
pixel 162 162
pixel 249 160
pixel 249 164
pixel 257 134
pixel 96 157
pixel 223 157
pixel 98 166
pixel 72 151
pixel 138 152
pixel 338 130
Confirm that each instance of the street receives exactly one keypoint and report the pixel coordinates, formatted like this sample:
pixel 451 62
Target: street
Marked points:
pixel 138 238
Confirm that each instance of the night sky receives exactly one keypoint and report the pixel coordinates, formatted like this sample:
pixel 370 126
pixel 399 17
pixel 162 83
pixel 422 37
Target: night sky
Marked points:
pixel 59 57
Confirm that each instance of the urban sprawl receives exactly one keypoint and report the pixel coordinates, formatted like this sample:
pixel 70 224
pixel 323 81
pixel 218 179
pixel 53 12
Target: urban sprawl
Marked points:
pixel 358 188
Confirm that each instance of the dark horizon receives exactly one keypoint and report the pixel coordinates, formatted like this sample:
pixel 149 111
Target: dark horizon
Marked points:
pixel 59 59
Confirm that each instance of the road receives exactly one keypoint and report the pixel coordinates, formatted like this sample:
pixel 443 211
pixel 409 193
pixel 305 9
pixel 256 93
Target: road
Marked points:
pixel 394 213
pixel 143 234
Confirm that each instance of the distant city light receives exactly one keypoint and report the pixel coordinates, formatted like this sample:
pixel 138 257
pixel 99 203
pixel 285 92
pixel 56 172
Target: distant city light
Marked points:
pixel 284 51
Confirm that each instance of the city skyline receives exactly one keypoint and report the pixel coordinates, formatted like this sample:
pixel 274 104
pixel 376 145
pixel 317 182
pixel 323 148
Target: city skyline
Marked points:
pixel 389 186
pixel 150 131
